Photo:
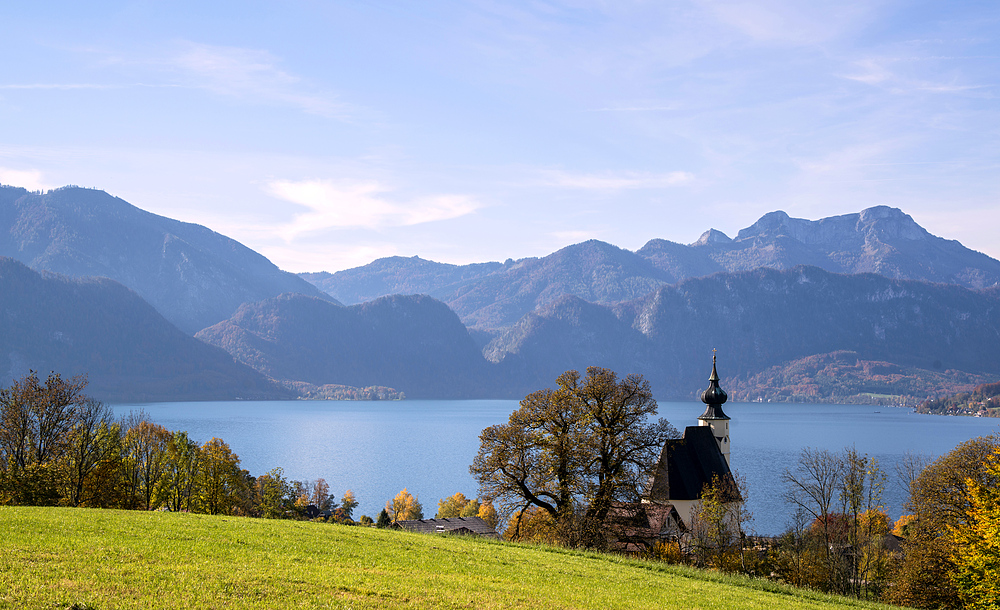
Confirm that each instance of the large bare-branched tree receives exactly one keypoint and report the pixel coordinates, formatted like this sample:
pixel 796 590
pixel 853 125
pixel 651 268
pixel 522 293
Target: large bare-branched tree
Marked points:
pixel 35 424
pixel 574 450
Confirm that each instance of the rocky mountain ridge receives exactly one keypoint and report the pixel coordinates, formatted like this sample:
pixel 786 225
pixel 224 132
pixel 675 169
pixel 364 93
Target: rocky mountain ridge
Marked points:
pixel 192 275
pixel 491 296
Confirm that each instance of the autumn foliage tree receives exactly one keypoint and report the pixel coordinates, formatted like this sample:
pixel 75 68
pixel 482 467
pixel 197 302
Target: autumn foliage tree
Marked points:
pixel 943 503
pixel 572 451
pixel 457 506
pixel 977 556
pixel 404 507
pixel 36 420
pixel 223 484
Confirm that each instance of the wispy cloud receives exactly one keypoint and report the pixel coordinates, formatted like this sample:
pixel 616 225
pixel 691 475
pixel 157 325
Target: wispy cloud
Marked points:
pixel 784 21
pixel 60 86
pixel 638 108
pixel 30 179
pixel 615 181
pixel 250 74
pixel 333 204
pixel 879 72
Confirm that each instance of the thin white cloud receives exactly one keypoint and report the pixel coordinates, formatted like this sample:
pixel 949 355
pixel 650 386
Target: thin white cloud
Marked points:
pixel 59 86
pixel 615 181
pixel 249 74
pixel 333 204
pixel 784 21
pixel 638 108
pixel 877 72
pixel 30 179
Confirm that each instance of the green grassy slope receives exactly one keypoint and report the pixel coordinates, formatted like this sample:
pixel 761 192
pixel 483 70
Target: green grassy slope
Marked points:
pixel 99 559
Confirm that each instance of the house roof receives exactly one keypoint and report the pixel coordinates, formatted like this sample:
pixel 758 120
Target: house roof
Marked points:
pixel 635 526
pixel 451 525
pixel 686 465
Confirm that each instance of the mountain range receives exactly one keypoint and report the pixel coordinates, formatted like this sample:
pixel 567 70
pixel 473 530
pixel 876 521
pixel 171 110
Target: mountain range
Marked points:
pixel 192 275
pixel 833 309
pixel 414 344
pixel 492 297
pixel 758 319
pixel 99 328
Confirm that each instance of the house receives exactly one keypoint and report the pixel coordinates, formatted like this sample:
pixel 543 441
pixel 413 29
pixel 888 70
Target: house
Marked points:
pixel 634 527
pixel 462 526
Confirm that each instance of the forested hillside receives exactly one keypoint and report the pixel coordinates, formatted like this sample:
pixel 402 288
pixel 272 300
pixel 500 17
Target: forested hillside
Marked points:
pixel 98 328
pixel 413 344
pixel 761 319
pixel 192 275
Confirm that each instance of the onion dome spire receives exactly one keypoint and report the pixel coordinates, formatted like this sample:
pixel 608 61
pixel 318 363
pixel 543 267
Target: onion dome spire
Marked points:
pixel 714 396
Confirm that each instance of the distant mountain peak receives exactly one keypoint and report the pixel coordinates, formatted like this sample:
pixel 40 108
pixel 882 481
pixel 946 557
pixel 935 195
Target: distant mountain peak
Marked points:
pixel 883 221
pixel 712 236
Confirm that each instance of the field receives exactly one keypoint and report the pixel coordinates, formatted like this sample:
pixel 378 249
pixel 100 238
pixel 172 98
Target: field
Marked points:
pixel 101 559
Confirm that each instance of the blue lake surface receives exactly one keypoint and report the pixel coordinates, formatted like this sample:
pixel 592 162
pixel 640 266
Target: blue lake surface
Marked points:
pixel 378 448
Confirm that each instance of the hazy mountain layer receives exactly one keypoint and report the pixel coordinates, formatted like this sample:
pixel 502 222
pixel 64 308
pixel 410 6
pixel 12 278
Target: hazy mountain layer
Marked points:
pixel 99 328
pixel 414 344
pixel 843 377
pixel 490 296
pixel 758 319
pixel 192 275
pixel 397 275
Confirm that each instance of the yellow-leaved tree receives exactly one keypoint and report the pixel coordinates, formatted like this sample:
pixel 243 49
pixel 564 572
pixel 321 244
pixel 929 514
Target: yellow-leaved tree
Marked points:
pixel 977 556
pixel 223 484
pixel 488 514
pixel 457 506
pixel 404 507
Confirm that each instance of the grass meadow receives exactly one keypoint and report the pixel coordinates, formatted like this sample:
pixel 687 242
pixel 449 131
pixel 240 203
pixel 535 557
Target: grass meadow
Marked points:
pixel 103 559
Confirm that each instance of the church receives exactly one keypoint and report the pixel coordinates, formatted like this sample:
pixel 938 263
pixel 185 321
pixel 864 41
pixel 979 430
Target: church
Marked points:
pixel 686 465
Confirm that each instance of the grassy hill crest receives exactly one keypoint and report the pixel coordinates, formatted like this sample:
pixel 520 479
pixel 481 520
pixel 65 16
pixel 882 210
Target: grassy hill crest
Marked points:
pixel 101 559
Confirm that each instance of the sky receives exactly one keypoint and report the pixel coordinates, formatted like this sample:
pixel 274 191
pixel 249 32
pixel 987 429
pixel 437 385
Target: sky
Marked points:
pixel 328 134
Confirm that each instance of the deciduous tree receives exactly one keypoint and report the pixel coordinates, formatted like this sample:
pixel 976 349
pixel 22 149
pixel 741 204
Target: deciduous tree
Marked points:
pixel 223 484
pixel 941 502
pixel 92 440
pixel 146 444
pixel 572 451
pixel 457 506
pixel 35 422
pixel 404 507
pixel 181 478
pixel 977 556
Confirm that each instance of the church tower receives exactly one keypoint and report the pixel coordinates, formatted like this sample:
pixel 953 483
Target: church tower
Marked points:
pixel 714 417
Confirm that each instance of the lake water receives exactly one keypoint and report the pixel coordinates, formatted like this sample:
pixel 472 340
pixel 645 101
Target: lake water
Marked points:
pixel 378 448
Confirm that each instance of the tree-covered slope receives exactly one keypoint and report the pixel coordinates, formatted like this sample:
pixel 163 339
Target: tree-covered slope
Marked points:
pixel 99 328
pixel 760 319
pixel 190 274
pixel 397 275
pixel 414 344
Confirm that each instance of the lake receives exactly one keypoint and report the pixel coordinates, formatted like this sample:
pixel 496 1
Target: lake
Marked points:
pixel 378 448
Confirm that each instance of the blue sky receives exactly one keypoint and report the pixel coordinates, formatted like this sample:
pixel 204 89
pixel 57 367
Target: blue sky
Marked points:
pixel 328 134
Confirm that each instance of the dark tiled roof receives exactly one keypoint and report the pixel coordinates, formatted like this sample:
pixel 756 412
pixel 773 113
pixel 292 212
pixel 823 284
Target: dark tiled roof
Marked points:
pixel 634 526
pixel 687 464
pixel 452 525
